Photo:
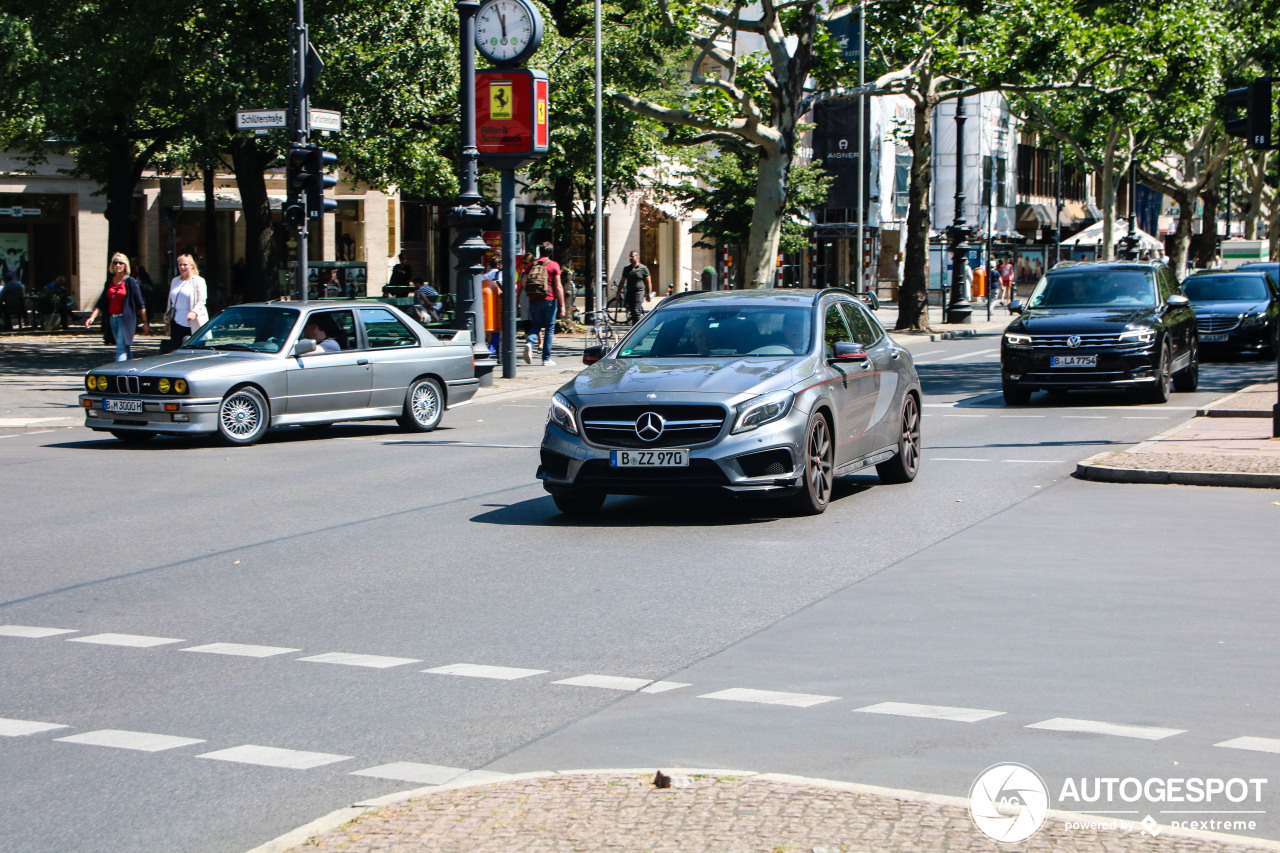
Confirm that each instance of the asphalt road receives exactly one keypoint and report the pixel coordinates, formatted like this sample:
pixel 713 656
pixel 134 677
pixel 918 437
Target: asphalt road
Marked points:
pixel 316 620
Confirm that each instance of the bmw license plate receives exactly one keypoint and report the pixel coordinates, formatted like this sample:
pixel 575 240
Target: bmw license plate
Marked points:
pixel 1073 361
pixel 649 458
pixel 1213 339
pixel 133 406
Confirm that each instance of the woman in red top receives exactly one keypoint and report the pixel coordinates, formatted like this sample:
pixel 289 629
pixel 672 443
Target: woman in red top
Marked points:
pixel 121 304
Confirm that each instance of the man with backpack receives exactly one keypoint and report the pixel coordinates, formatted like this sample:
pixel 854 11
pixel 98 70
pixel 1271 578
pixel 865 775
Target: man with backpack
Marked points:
pixel 541 284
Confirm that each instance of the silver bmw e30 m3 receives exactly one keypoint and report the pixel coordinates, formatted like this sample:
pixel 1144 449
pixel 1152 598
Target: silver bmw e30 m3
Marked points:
pixel 254 367
pixel 764 392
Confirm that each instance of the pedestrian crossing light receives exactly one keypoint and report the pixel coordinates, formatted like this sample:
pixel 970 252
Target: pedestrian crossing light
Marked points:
pixel 296 176
pixel 317 181
pixel 1255 127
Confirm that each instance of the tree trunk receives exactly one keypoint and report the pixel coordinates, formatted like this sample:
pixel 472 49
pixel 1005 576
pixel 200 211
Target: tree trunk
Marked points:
pixel 210 272
pixel 760 264
pixel 1209 221
pixel 261 265
pixel 1255 172
pixel 122 229
pixel 913 296
pixel 1107 200
pixel 1185 199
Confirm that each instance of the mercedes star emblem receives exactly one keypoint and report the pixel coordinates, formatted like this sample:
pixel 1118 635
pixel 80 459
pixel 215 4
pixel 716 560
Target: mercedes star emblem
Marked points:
pixel 649 426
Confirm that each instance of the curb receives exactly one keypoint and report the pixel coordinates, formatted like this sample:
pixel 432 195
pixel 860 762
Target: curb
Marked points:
pixel 338 817
pixel 1145 476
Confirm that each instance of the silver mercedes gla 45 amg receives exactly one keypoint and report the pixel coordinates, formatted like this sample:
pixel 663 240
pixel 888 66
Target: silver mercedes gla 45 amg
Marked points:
pixel 755 393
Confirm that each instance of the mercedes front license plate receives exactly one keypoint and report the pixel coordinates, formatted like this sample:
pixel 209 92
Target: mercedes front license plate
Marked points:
pixel 649 458
pixel 1073 361
pixel 1213 339
pixel 122 406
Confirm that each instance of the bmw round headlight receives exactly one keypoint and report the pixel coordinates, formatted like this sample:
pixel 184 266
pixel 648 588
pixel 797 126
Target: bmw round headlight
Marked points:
pixel 163 385
pixel 561 414
pixel 90 383
pixel 101 382
pixel 179 386
pixel 761 410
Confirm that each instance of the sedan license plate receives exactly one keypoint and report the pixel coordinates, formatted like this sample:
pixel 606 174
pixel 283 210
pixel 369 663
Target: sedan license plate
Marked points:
pixel 122 406
pixel 649 458
pixel 1073 361
pixel 1213 339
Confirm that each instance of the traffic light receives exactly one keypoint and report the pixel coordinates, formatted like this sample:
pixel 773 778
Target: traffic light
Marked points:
pixel 1255 127
pixel 317 181
pixel 296 177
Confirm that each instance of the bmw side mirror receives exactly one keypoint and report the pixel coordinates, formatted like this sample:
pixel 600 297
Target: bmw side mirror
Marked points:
pixel 304 346
pixel 849 351
pixel 1177 300
pixel 591 355
pixel 1015 307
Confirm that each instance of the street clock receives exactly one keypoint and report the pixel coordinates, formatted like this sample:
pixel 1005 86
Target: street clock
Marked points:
pixel 508 31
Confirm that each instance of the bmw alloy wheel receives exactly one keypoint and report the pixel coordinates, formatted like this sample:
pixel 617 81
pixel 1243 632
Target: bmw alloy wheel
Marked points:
pixel 423 406
pixel 243 416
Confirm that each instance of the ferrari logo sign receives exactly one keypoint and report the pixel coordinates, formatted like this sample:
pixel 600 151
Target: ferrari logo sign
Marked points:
pixel 501 102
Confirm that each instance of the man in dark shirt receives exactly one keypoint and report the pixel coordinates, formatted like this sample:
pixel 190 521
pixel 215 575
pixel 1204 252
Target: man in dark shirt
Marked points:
pixel 635 287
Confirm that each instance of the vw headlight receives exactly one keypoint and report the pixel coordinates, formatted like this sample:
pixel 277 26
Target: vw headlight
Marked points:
pixel 1138 336
pixel 562 414
pixel 1014 339
pixel 762 410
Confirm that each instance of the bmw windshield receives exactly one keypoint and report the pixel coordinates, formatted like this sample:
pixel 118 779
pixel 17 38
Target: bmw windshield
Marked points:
pixel 720 331
pixel 243 328
pixel 1112 288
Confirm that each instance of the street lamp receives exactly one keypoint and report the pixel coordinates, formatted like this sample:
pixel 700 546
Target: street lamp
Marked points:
pixel 959 232
pixel 1128 244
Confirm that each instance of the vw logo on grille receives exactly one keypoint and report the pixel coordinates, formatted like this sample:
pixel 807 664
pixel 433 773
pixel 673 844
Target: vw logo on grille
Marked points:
pixel 1073 341
pixel 649 426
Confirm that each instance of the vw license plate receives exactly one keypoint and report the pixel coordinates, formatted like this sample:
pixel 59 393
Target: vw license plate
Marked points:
pixel 1073 361
pixel 122 406
pixel 649 458
pixel 1213 339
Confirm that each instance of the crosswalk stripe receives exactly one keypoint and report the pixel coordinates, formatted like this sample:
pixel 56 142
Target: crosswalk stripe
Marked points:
pixel 475 670
pixel 270 756
pixel 769 697
pixel 1254 744
pixel 140 741
pixel 409 771
pixel 32 632
pixel 1064 724
pixel 19 728
pixel 349 659
pixel 137 641
pixel 615 682
pixel 241 650
pixel 931 712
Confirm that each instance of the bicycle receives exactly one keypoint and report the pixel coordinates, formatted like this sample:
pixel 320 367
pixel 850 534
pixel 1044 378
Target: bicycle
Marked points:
pixel 602 333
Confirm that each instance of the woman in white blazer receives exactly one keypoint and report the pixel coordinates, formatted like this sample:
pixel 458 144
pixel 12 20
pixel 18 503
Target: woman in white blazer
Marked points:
pixel 187 296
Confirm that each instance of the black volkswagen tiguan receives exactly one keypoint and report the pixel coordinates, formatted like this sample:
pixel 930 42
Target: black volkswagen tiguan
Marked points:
pixel 1102 325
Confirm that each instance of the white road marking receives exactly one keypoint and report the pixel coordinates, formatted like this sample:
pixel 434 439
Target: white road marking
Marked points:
pixel 475 670
pixel 964 416
pixel 137 641
pixel 1256 744
pixel 769 697
pixel 1145 418
pixel 270 756
pixel 32 631
pixel 1024 416
pixel 1062 724
pixel 1084 417
pixel 955 459
pixel 920 355
pixel 20 422
pixel 931 712
pixel 409 771
pixel 615 682
pixel 970 355
pixel 21 728
pixel 349 659
pixel 140 741
pixel 241 650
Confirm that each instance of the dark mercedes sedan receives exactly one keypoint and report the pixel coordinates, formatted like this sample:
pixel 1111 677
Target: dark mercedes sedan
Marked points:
pixel 1236 310
pixel 1102 325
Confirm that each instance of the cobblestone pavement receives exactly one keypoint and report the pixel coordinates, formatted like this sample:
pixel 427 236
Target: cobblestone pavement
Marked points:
pixel 719 812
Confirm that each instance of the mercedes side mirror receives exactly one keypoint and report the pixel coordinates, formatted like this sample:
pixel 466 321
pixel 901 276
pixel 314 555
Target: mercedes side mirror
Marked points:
pixel 591 355
pixel 1177 300
pixel 848 351
pixel 1015 307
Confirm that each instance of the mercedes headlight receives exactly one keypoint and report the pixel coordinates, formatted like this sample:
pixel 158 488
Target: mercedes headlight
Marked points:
pixel 761 410
pixel 1138 336
pixel 1014 339
pixel 562 414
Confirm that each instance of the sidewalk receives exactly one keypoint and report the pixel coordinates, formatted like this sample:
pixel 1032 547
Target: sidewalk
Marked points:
pixel 704 811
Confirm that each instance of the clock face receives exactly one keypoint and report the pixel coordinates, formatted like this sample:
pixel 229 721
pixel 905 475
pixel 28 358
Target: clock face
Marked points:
pixel 508 31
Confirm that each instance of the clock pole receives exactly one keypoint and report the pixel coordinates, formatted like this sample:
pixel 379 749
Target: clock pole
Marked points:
pixel 470 214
